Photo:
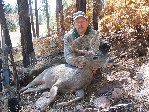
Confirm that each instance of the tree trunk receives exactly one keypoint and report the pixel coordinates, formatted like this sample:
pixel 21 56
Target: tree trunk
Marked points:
pixel 60 20
pixel 32 21
pixel 97 6
pixel 60 17
pixel 57 16
pixel 47 15
pixel 6 37
pixel 4 25
pixel 81 5
pixel 37 23
pixel 26 36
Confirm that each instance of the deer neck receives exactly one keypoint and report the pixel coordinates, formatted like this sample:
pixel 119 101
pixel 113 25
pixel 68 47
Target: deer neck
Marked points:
pixel 91 68
pixel 87 69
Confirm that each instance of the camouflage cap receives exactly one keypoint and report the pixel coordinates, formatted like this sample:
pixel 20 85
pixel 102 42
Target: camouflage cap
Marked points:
pixel 79 14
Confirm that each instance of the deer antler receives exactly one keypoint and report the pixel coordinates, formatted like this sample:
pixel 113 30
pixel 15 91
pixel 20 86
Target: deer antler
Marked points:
pixel 93 40
pixel 83 51
pixel 77 50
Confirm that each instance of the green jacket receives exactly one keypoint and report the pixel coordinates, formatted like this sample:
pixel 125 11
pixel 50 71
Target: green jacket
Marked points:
pixel 84 44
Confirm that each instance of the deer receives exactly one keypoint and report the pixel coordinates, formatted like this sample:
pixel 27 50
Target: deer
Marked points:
pixel 66 78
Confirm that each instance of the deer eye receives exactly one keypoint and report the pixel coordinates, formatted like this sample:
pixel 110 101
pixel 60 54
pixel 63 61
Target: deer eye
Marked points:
pixel 96 57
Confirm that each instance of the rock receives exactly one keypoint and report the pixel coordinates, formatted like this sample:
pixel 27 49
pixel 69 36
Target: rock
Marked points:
pixel 102 102
pixel 109 87
pixel 117 93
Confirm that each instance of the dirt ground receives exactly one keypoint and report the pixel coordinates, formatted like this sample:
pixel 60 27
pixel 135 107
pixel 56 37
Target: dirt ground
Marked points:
pixel 116 89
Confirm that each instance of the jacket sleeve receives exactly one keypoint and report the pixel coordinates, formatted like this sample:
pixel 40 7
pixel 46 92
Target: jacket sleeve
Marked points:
pixel 68 53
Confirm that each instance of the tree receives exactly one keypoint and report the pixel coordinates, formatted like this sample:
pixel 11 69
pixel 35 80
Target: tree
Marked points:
pixel 26 36
pixel 97 6
pixel 46 10
pixel 60 21
pixel 4 25
pixel 32 22
pixel 60 17
pixel 14 97
pixel 37 23
pixel 11 16
pixel 47 14
pixel 81 5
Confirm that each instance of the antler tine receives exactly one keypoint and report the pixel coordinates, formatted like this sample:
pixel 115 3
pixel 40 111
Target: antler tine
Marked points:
pixel 77 50
pixel 93 40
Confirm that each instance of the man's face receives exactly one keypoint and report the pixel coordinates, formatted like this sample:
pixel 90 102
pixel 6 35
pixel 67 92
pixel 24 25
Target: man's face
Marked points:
pixel 81 25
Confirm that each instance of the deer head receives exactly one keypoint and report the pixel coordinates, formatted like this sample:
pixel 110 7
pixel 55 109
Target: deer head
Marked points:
pixel 98 57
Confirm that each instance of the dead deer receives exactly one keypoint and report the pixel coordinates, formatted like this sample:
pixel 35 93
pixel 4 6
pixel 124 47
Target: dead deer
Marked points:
pixel 66 78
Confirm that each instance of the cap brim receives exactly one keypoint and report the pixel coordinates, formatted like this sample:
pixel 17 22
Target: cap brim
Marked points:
pixel 80 16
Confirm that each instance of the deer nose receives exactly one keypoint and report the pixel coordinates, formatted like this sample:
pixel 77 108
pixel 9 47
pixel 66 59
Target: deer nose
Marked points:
pixel 109 60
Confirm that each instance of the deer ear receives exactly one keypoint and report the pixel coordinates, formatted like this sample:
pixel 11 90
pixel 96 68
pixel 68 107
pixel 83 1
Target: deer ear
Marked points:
pixel 104 48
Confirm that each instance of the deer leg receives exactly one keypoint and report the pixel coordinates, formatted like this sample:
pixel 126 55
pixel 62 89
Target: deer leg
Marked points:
pixel 80 95
pixel 38 88
pixel 38 80
pixel 46 99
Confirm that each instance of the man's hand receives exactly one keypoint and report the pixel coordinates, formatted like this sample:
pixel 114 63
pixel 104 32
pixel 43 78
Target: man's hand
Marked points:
pixel 78 61
pixel 82 65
